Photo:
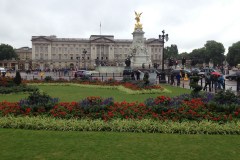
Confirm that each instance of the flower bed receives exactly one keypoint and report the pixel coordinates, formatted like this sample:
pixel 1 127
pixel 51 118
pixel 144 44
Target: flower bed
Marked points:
pixel 133 85
pixel 161 108
pixel 128 90
pixel 7 85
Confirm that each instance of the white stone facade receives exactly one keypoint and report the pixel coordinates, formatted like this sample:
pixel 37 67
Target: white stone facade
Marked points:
pixel 50 52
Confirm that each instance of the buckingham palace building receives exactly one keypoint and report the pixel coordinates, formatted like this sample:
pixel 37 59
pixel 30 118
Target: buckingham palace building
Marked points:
pixel 50 52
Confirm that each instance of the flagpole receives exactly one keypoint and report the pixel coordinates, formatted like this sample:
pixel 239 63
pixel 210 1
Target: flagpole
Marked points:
pixel 100 29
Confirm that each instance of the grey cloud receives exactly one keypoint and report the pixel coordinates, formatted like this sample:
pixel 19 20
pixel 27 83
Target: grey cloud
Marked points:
pixel 189 22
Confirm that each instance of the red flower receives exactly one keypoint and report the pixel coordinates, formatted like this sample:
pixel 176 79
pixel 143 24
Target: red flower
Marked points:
pixel 236 113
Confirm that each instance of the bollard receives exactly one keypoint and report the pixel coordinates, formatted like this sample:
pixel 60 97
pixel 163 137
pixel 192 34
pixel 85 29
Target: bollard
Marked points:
pixel 102 78
pixel 238 84
pixel 224 84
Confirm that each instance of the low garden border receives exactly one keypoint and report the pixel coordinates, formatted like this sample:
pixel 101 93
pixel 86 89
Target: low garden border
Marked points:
pixel 118 125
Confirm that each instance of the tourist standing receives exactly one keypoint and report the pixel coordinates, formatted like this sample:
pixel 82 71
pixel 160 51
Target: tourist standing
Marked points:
pixel 178 77
pixel 207 82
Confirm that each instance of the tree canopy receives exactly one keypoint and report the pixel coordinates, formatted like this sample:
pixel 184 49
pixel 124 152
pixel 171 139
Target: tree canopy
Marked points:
pixel 233 55
pixel 214 51
pixel 7 52
pixel 211 50
pixel 198 56
pixel 171 52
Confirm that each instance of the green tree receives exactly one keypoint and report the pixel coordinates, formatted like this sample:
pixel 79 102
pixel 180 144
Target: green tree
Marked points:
pixel 198 56
pixel 215 51
pixel 7 52
pixel 171 52
pixel 184 54
pixel 233 55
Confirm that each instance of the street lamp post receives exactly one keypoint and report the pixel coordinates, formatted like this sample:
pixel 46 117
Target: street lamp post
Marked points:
pixel 163 38
pixel 84 53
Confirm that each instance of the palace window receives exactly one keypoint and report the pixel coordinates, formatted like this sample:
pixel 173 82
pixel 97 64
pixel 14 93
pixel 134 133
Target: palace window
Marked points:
pixel 37 49
pixel 53 49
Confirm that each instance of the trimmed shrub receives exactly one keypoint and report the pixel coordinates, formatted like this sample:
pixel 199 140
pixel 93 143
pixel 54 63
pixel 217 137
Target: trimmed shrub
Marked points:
pixel 17 80
pixel 38 102
pixel 224 101
pixel 16 89
pixel 95 104
pixel 194 84
pixel 146 78
pixel 226 97
pixel 48 79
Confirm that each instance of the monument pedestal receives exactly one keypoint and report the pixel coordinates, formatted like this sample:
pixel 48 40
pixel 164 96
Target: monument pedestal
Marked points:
pixel 140 56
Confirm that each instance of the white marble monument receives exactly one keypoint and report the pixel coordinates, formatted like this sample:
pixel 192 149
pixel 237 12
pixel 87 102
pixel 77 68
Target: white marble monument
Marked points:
pixel 140 57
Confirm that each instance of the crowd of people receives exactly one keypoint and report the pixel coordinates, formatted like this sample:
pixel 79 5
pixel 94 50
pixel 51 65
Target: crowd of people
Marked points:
pixel 215 80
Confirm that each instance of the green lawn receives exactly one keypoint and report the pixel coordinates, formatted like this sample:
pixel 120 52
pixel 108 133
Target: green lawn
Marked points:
pixel 28 144
pixel 76 93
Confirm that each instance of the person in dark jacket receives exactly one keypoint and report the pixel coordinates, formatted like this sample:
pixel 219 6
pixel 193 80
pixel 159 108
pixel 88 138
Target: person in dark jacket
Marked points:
pixel 172 79
pixel 207 82
pixel 178 77
pixel 138 74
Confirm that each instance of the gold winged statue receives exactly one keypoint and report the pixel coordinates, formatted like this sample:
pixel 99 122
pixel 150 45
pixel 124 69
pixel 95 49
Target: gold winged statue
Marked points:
pixel 138 25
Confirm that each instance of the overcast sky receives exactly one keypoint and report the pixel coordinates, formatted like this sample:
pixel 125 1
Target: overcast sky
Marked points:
pixel 189 23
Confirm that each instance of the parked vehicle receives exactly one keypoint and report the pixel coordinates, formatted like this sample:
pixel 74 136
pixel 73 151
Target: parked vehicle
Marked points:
pixel 204 71
pixel 182 71
pixel 195 71
pixel 231 77
pixel 2 71
pixel 82 73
